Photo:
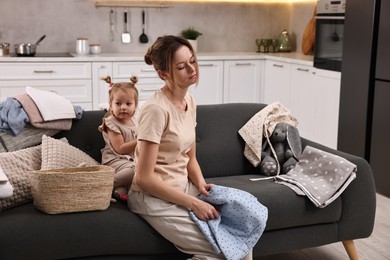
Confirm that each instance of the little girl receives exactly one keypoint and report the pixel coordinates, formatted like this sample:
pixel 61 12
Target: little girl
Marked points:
pixel 119 133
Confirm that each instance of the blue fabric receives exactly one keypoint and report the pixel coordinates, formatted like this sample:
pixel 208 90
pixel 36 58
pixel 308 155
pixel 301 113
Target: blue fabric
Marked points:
pixel 78 110
pixel 13 117
pixel 240 224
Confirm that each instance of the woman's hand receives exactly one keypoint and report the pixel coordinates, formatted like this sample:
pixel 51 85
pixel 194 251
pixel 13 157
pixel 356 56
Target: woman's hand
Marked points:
pixel 203 210
pixel 205 188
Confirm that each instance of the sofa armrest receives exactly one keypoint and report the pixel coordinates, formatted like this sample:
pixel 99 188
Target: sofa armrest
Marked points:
pixel 358 200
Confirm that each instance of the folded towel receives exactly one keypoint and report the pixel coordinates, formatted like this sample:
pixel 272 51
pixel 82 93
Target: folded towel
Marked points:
pixel 35 116
pixel 319 175
pixel 240 224
pixel 6 189
pixel 51 105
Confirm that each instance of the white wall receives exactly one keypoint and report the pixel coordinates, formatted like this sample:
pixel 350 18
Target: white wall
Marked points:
pixel 225 27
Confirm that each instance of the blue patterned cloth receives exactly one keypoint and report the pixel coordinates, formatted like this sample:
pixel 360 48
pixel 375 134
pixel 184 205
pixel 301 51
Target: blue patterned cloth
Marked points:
pixel 240 224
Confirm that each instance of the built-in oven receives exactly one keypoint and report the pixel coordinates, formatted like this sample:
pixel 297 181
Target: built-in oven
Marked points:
pixel 329 37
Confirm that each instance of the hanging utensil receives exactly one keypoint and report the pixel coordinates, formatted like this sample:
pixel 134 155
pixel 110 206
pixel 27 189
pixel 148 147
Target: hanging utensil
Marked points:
pixel 143 38
pixel 112 25
pixel 126 38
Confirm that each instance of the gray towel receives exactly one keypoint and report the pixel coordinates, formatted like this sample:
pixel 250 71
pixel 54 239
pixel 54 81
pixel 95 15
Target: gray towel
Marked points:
pixel 319 175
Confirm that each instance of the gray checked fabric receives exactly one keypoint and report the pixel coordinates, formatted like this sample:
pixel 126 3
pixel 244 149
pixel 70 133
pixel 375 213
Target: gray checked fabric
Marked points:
pixel 319 175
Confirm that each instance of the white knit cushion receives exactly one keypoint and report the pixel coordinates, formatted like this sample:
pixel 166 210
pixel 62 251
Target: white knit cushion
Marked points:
pixel 16 166
pixel 59 154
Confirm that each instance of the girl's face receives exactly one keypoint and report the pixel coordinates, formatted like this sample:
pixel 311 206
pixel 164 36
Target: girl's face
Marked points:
pixel 122 105
pixel 184 68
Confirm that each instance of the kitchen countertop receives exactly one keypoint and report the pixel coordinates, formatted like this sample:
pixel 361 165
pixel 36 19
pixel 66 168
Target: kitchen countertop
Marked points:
pixel 293 57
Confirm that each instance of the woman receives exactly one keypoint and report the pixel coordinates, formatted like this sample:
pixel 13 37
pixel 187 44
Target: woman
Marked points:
pixel 168 176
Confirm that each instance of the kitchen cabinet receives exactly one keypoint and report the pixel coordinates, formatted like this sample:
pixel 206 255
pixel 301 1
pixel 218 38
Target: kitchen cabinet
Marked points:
pixel 100 87
pixel 311 94
pixel 71 80
pixel 210 86
pixel 148 80
pixel 303 99
pixel 242 81
pixel 277 82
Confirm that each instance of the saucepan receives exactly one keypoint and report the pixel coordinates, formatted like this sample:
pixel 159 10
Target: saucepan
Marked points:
pixel 27 49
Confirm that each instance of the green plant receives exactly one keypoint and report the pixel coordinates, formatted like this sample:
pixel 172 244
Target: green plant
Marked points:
pixel 190 33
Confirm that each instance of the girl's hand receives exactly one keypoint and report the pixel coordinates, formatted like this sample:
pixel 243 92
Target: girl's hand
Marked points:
pixel 204 211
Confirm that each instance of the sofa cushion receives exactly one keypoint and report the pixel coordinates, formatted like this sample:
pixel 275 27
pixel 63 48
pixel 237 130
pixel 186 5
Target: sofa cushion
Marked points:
pixel 286 209
pixel 16 166
pixel 218 139
pixel 115 231
pixel 60 154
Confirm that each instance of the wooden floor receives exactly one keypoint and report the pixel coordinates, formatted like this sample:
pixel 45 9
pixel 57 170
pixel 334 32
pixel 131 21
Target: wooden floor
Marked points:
pixel 376 247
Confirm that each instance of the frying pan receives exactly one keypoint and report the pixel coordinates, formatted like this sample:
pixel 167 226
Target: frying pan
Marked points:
pixel 27 49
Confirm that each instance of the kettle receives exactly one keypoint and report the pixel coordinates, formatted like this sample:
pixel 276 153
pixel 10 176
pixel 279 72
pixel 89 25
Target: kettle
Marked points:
pixel 284 42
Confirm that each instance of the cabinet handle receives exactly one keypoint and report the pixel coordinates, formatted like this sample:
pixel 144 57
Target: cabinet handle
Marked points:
pixel 148 70
pixel 305 70
pixel 243 64
pixel 206 65
pixel 278 65
pixel 43 71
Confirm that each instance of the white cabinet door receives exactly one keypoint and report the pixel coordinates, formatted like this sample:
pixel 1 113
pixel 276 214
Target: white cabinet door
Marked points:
pixel 148 80
pixel 277 82
pixel 327 109
pixel 210 86
pixel 242 81
pixel 303 99
pixel 100 87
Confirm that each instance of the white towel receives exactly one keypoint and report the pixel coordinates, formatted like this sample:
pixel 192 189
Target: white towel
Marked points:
pixel 6 189
pixel 51 105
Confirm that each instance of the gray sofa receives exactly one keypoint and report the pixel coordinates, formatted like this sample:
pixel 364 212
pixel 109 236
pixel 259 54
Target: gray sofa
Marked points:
pixel 293 223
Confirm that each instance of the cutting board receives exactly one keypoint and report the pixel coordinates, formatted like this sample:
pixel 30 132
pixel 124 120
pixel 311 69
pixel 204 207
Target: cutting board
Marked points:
pixel 309 35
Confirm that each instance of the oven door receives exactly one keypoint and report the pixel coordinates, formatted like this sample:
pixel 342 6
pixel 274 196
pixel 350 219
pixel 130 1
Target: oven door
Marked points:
pixel 328 44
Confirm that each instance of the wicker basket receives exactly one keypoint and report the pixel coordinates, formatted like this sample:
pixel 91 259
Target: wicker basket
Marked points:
pixel 72 189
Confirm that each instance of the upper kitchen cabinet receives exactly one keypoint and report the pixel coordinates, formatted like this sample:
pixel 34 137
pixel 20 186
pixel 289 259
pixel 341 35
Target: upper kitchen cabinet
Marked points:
pixel 242 81
pixel 210 86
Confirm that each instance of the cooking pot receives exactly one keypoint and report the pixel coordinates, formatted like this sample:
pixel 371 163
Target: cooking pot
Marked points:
pixel 27 49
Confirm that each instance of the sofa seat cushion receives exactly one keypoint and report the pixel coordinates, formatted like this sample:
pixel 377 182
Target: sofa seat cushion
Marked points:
pixel 286 209
pixel 116 231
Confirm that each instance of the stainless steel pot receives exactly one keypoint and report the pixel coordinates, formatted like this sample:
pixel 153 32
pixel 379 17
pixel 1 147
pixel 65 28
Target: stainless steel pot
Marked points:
pixel 27 49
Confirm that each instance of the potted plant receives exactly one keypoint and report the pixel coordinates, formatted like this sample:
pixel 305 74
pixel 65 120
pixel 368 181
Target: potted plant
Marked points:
pixel 191 34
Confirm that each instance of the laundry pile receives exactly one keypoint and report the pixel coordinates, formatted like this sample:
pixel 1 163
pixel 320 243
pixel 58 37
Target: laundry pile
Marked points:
pixel 42 109
pixel 25 118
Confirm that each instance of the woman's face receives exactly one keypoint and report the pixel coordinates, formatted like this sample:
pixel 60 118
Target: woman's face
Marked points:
pixel 184 68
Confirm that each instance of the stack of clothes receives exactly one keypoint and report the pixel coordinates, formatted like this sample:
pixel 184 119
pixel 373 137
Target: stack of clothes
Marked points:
pixel 25 118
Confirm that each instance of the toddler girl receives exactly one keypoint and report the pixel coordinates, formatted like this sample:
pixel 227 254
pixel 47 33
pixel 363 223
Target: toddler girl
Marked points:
pixel 119 133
